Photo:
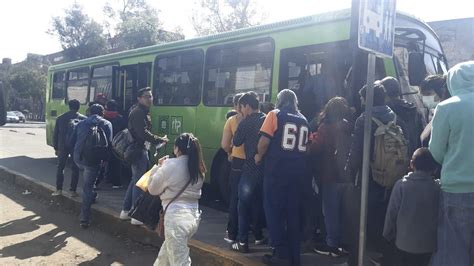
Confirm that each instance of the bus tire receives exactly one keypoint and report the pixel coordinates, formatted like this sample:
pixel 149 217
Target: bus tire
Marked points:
pixel 220 176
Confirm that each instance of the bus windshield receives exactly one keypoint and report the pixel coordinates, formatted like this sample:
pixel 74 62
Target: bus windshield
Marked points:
pixel 416 38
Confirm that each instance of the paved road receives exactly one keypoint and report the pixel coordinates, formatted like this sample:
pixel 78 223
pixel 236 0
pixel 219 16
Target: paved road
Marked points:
pixel 24 139
pixel 37 232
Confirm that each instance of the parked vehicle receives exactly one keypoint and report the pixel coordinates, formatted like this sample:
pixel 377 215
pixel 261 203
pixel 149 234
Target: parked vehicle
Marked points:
pixel 12 117
pixel 20 115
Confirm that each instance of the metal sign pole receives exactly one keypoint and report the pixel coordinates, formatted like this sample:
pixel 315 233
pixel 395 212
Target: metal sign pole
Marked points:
pixel 369 102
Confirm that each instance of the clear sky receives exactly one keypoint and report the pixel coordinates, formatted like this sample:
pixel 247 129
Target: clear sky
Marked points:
pixel 24 22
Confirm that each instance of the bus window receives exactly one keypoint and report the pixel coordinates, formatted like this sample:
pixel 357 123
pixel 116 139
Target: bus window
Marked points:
pixel 178 78
pixel 101 82
pixel 59 82
pixel 429 64
pixel 77 85
pixel 236 68
pixel 315 73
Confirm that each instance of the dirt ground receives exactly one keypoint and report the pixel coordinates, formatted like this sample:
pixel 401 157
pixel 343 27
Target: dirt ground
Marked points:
pixel 37 232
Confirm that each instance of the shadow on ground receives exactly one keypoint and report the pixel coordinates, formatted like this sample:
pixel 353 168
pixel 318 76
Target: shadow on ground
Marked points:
pixel 113 249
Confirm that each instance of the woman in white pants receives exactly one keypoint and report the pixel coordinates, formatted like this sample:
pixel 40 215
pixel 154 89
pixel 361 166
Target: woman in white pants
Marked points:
pixel 182 215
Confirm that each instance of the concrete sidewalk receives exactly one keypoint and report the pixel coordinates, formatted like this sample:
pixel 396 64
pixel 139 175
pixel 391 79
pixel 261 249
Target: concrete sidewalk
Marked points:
pixel 33 166
pixel 207 242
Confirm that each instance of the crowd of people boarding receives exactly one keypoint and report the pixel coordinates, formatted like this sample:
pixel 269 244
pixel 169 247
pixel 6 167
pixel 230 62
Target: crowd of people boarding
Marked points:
pixel 292 174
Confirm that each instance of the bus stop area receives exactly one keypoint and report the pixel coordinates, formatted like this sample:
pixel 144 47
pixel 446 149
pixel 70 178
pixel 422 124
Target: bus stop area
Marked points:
pixel 27 162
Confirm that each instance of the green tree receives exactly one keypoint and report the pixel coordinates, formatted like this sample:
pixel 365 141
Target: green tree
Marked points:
pixel 80 36
pixel 133 24
pixel 214 16
pixel 25 86
pixel 27 90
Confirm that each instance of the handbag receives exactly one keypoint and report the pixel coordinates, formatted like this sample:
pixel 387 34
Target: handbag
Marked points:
pixel 125 147
pixel 146 210
pixel 161 224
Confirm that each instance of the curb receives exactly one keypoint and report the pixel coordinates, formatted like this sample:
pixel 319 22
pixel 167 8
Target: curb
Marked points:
pixel 107 220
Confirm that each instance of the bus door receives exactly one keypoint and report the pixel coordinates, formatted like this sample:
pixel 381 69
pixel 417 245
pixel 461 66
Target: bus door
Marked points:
pixel 315 73
pixel 130 79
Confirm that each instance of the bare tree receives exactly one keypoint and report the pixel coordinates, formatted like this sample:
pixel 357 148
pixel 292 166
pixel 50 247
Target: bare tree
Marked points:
pixel 214 16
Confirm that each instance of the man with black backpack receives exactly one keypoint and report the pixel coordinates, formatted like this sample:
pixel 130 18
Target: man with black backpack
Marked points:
pixel 63 132
pixel 91 138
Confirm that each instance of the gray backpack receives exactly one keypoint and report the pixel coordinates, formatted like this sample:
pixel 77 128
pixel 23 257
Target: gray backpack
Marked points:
pixel 390 158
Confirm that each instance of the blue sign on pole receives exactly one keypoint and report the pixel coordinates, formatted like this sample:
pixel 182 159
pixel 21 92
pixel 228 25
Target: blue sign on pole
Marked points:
pixel 377 26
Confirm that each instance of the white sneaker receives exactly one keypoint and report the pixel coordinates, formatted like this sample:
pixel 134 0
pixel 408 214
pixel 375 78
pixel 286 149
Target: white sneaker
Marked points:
pixel 124 215
pixel 58 192
pixel 136 222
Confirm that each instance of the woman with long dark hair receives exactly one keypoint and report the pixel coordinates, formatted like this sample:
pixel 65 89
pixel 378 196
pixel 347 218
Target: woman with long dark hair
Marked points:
pixel 178 182
pixel 331 146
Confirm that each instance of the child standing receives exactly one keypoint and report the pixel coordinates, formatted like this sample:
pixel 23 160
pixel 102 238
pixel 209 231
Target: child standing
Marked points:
pixel 412 214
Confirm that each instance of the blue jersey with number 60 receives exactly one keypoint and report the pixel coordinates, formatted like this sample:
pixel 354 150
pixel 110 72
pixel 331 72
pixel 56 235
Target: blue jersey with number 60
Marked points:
pixel 288 133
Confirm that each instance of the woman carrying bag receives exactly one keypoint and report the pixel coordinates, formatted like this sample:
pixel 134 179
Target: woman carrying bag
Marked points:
pixel 178 182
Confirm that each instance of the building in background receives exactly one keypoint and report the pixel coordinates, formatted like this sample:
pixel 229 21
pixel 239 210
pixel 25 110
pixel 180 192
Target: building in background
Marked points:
pixel 457 39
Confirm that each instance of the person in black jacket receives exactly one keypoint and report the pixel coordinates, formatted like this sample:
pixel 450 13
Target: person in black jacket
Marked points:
pixel 406 111
pixel 63 149
pixel 139 125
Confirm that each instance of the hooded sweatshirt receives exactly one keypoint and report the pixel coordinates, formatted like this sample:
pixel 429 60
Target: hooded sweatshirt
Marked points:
pixel 452 136
pixel 82 130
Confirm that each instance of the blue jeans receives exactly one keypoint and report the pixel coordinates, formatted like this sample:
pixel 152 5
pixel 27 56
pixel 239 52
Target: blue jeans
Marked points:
pixel 234 180
pixel 282 196
pixel 250 202
pixel 139 168
pixel 88 195
pixel 332 196
pixel 455 230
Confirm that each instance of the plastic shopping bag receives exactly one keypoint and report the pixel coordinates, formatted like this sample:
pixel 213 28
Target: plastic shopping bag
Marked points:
pixel 142 183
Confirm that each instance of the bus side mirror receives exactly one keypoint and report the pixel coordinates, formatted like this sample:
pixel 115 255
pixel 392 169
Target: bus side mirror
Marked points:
pixel 416 68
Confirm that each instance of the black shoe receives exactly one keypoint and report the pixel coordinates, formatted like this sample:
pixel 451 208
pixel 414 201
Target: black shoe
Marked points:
pixel 274 260
pixel 96 197
pixel 84 225
pixel 328 251
pixel 377 260
pixel 240 247
pixel 228 238
pixel 260 241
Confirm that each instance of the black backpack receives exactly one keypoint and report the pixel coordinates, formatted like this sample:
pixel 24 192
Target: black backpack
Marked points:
pixel 69 137
pixel 96 146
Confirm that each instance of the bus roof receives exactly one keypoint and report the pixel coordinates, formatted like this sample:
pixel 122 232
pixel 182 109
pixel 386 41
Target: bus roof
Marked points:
pixel 225 36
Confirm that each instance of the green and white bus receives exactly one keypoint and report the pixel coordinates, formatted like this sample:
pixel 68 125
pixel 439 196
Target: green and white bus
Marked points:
pixel 194 80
